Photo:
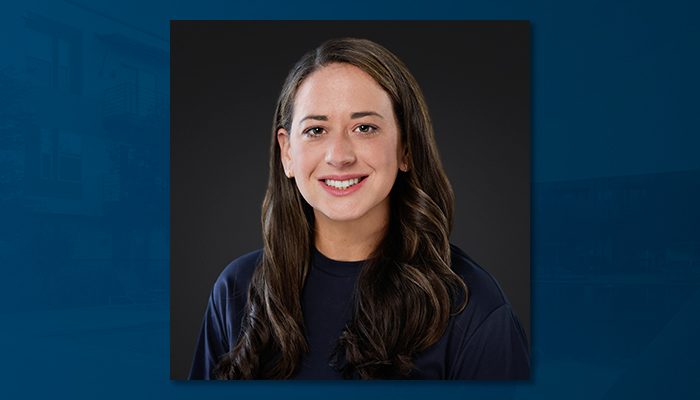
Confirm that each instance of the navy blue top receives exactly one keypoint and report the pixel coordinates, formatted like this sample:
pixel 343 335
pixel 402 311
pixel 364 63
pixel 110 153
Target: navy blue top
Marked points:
pixel 484 341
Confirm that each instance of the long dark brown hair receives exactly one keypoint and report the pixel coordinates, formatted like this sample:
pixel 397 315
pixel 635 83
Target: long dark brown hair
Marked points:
pixel 406 290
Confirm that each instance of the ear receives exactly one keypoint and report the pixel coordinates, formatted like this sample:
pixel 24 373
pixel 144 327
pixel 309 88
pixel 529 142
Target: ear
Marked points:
pixel 403 162
pixel 285 153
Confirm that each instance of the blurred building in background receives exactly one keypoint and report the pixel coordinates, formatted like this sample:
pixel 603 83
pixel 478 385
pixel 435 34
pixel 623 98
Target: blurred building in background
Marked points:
pixel 82 156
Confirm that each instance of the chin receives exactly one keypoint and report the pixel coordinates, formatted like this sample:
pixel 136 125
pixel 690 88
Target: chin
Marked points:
pixel 342 215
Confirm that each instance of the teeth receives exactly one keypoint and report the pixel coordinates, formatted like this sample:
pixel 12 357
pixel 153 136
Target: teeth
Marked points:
pixel 342 184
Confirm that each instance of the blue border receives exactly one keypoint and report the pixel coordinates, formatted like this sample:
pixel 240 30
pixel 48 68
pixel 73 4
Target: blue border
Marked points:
pixel 84 199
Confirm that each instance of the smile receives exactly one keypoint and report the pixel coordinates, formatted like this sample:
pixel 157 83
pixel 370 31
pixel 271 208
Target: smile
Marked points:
pixel 342 184
pixel 338 187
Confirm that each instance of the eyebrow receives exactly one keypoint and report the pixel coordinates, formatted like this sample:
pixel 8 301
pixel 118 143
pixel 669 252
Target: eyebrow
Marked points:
pixel 315 117
pixel 354 115
pixel 361 114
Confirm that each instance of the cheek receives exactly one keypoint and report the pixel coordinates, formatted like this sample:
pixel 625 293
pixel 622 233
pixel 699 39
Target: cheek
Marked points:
pixel 304 160
pixel 388 154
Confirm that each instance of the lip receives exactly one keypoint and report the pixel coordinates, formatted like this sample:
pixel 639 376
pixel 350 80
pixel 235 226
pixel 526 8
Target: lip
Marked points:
pixel 342 192
pixel 341 177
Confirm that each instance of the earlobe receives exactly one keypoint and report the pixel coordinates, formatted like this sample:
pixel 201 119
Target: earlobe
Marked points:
pixel 403 165
pixel 285 156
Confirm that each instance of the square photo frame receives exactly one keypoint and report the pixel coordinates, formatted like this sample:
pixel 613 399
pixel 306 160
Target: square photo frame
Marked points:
pixel 226 78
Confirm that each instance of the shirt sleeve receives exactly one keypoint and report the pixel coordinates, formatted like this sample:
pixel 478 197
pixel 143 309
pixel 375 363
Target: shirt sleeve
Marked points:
pixel 212 342
pixel 496 350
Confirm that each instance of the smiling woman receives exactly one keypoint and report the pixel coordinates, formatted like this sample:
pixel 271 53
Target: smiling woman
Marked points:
pixel 343 143
pixel 357 278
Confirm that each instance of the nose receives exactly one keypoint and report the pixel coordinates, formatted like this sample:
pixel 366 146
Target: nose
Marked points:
pixel 340 151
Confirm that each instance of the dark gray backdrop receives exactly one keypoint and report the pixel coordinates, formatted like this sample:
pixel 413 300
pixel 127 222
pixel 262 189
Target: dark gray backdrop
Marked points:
pixel 225 79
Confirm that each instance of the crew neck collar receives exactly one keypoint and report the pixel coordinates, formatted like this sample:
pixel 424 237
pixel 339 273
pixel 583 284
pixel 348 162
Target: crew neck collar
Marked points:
pixel 335 267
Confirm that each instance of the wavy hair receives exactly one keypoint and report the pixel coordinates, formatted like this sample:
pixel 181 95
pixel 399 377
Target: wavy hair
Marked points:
pixel 406 290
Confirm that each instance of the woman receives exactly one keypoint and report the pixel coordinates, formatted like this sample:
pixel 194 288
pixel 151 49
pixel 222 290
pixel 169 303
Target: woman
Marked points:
pixel 357 278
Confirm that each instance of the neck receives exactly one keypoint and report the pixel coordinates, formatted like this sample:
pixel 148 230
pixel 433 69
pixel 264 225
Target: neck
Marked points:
pixel 351 240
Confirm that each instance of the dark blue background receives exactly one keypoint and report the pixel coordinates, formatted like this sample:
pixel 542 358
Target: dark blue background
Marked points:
pixel 84 123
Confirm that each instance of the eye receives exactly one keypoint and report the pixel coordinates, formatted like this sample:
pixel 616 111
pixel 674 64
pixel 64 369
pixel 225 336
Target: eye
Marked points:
pixel 313 131
pixel 366 129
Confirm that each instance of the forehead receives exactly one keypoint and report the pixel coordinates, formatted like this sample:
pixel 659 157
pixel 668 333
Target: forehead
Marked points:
pixel 340 88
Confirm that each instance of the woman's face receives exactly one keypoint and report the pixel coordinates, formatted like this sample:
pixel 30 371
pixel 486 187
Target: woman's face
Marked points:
pixel 343 149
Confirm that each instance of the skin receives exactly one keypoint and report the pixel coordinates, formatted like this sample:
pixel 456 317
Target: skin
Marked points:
pixel 344 124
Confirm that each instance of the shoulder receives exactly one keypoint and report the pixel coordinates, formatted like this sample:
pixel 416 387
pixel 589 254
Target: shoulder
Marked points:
pixel 487 330
pixel 484 293
pixel 235 277
pixel 222 318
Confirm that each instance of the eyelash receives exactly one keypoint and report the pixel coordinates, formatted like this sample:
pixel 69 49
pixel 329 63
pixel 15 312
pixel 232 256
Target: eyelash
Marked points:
pixel 373 129
pixel 309 132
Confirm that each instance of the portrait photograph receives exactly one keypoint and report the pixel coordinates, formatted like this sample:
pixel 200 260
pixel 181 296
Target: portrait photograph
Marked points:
pixel 350 200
